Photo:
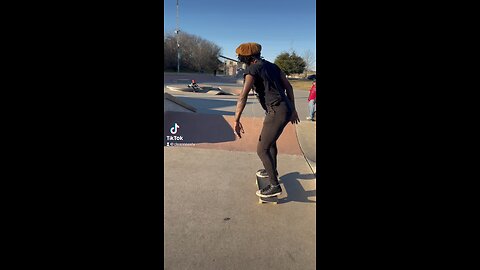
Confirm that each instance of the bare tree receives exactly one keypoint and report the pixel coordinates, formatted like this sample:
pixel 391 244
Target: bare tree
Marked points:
pixel 169 52
pixel 196 53
pixel 309 58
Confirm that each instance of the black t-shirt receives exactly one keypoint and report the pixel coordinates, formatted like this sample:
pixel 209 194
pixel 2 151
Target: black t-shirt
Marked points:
pixel 267 82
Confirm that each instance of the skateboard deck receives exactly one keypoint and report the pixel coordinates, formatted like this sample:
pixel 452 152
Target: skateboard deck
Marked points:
pixel 261 183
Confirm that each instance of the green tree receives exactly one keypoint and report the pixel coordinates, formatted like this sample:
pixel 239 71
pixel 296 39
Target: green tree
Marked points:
pixel 290 63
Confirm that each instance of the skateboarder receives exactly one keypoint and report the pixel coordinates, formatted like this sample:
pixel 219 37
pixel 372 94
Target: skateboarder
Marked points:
pixel 194 85
pixel 275 94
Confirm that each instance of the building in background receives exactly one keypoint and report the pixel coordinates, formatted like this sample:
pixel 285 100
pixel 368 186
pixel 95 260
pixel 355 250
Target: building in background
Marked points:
pixel 232 67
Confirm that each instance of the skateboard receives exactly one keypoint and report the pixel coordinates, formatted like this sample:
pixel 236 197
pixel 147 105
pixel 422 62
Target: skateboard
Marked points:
pixel 261 183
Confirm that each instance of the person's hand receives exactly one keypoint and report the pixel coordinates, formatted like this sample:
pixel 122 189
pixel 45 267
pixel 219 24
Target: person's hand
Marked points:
pixel 238 128
pixel 294 119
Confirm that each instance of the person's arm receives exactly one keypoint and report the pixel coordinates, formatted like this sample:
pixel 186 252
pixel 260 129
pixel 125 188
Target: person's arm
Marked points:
pixel 241 102
pixel 291 97
pixel 289 88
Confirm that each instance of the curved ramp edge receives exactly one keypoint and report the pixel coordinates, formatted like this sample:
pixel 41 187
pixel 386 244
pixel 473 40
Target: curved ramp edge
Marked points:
pixel 311 163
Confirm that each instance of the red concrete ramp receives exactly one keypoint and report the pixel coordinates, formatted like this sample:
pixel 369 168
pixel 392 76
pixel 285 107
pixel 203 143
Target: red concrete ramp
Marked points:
pixel 212 131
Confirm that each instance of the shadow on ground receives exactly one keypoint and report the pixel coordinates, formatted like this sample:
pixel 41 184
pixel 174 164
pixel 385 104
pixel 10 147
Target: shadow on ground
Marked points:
pixel 204 105
pixel 196 128
pixel 294 190
pixel 200 90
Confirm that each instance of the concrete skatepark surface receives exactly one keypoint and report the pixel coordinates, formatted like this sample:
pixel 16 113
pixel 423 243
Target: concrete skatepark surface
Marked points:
pixel 224 88
pixel 211 213
pixel 173 77
pixel 212 219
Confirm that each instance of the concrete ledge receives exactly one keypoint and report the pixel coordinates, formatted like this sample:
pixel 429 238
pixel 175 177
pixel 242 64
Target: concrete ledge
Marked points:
pixel 179 102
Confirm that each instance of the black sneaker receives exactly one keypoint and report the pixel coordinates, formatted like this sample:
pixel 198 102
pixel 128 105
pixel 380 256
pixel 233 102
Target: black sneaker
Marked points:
pixel 263 173
pixel 269 191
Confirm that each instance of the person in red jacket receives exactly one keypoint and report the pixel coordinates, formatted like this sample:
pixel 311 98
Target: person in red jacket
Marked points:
pixel 312 101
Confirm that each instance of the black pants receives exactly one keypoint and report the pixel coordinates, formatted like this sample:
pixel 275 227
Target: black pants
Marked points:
pixel 277 117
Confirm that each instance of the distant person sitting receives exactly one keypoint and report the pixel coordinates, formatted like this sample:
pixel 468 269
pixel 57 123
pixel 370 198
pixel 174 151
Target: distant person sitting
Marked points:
pixel 312 103
pixel 194 86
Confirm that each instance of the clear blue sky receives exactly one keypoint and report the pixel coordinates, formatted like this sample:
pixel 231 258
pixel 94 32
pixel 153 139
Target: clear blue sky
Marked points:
pixel 278 25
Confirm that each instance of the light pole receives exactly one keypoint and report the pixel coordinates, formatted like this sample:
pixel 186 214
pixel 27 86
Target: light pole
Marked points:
pixel 178 45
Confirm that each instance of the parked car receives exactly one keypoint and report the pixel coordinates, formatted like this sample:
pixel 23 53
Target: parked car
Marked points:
pixel 312 77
